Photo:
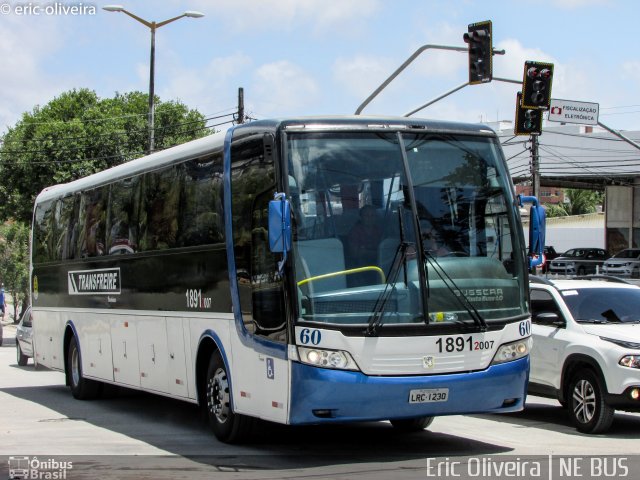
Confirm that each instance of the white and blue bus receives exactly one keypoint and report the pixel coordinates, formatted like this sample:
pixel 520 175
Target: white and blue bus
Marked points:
pixel 223 272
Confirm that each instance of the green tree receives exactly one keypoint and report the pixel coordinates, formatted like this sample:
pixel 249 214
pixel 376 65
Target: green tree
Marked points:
pixel 583 201
pixel 580 202
pixel 555 210
pixel 14 262
pixel 77 134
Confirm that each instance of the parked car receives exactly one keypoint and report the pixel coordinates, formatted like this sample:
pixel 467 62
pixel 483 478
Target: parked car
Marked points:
pixel 549 254
pixel 586 348
pixel 579 261
pixel 24 339
pixel 624 264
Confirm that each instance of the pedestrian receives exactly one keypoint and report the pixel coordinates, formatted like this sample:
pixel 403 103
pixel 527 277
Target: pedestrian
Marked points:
pixel 3 301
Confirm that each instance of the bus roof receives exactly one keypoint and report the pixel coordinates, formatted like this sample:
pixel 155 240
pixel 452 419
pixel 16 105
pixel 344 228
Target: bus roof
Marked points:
pixel 372 122
pixel 213 142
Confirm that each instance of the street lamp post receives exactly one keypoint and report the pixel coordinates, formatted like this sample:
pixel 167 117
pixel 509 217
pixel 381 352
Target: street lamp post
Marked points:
pixel 153 26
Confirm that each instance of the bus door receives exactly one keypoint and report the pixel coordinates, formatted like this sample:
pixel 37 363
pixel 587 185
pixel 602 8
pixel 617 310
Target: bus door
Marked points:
pixel 260 371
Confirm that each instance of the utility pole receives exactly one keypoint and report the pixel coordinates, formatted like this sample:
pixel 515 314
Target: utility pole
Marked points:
pixel 240 105
pixel 535 166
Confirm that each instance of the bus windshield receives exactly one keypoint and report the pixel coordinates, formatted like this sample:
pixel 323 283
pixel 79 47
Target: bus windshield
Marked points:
pixel 372 210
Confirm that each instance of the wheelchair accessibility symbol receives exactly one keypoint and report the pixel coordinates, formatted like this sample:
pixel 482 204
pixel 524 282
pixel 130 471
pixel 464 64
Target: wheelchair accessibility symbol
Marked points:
pixel 270 368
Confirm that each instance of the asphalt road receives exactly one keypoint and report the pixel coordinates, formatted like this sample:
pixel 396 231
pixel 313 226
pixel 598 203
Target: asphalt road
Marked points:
pixel 136 435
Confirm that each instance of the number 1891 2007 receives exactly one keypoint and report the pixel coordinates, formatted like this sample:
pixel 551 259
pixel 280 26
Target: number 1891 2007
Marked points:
pixel 462 344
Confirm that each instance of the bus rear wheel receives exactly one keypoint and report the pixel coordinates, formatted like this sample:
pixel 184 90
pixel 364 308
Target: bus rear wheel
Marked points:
pixel 412 424
pixel 227 426
pixel 81 388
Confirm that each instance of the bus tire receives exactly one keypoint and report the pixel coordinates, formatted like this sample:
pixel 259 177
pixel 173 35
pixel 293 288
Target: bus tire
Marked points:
pixel 227 426
pixel 81 388
pixel 408 425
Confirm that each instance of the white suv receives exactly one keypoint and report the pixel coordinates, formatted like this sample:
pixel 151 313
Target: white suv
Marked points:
pixel 586 348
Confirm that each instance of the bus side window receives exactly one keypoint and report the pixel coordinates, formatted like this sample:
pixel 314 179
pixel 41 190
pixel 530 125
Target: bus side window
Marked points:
pixel 260 285
pixel 202 216
pixel 122 224
pixel 161 197
pixel 66 228
pixel 43 233
pixel 92 222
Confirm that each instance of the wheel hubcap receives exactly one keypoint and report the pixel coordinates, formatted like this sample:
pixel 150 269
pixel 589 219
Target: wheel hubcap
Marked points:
pixel 584 401
pixel 218 396
pixel 75 367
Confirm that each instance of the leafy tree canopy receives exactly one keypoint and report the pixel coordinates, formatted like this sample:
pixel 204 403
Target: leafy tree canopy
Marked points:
pixel 77 134
pixel 14 262
pixel 580 202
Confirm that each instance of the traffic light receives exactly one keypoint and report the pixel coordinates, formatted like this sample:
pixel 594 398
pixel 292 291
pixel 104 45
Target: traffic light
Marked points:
pixel 528 120
pixel 536 85
pixel 480 52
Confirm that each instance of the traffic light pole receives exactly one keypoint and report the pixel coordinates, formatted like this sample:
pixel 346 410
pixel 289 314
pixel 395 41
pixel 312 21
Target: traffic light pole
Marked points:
pixel 454 90
pixel 407 62
pixel 535 167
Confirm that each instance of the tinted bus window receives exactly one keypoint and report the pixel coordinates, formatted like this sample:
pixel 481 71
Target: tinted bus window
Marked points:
pixel 201 217
pixel 43 233
pixel 92 223
pixel 66 228
pixel 261 289
pixel 122 224
pixel 161 200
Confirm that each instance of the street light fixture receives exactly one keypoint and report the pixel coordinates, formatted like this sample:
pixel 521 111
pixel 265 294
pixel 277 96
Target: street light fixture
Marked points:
pixel 153 26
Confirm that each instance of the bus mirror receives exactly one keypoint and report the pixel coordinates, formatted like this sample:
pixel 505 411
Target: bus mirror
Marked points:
pixel 537 225
pixel 537 229
pixel 279 224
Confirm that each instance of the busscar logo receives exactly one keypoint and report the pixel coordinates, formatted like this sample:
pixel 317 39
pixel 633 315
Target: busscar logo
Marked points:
pixel 104 281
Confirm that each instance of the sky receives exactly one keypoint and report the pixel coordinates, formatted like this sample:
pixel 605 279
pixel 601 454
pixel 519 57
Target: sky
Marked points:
pixel 316 57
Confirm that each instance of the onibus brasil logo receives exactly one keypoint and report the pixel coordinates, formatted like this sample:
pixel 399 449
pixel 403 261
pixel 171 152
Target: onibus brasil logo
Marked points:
pixel 32 468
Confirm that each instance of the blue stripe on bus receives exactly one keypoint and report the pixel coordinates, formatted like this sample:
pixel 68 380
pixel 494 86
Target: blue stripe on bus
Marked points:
pixel 216 339
pixel 342 395
pixel 261 345
pixel 75 332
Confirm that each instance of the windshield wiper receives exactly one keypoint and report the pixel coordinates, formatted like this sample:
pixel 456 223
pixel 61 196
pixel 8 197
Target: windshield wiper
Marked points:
pixel 611 316
pixel 399 260
pixel 457 293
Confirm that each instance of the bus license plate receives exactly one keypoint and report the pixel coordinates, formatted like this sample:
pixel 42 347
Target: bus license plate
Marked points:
pixel 429 395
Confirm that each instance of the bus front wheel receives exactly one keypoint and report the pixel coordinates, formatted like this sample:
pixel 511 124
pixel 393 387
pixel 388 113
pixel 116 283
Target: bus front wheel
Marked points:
pixel 227 426
pixel 81 388
pixel 412 424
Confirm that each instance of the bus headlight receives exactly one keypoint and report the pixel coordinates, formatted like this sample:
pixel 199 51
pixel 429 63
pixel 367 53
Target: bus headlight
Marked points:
pixel 336 359
pixel 631 361
pixel 512 351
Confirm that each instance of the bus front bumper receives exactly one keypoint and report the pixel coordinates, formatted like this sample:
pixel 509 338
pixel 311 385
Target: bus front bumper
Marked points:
pixel 320 395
